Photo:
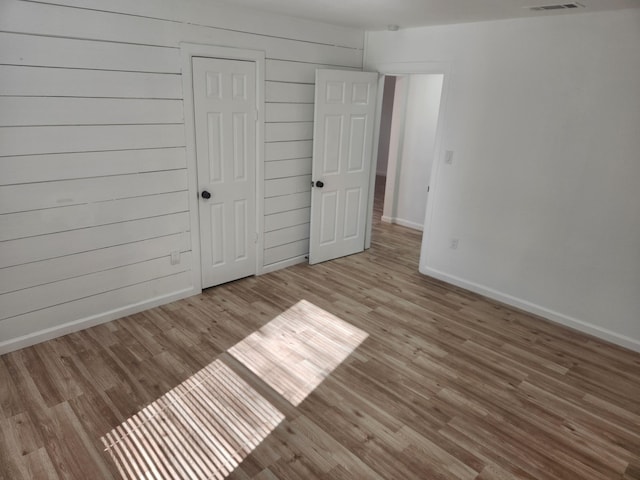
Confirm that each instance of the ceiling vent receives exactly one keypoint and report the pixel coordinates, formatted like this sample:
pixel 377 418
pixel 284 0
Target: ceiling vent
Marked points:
pixel 559 6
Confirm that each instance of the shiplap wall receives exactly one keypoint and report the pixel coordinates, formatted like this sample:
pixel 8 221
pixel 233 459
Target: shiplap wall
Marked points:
pixel 93 171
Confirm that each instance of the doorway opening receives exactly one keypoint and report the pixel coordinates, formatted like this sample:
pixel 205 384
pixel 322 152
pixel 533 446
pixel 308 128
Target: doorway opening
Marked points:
pixel 409 121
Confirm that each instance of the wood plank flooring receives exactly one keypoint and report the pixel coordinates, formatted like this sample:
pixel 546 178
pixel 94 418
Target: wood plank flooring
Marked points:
pixel 442 384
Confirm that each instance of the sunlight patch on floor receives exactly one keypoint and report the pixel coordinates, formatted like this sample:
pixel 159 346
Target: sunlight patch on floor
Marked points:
pixel 206 426
pixel 295 351
pixel 203 428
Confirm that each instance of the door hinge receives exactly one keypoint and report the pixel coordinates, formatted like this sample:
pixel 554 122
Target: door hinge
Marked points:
pixel 255 115
pixel 428 188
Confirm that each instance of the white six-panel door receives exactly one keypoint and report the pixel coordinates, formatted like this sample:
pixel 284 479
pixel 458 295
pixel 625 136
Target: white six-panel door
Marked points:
pixel 342 151
pixel 225 125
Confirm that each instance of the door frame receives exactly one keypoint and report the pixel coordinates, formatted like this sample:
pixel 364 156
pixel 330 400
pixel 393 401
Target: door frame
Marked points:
pixel 403 69
pixel 187 52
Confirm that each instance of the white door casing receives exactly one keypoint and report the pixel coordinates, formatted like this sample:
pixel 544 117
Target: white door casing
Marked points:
pixel 344 121
pixel 225 109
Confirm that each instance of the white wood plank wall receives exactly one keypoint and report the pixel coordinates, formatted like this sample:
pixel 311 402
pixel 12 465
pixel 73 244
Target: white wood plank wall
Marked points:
pixel 93 171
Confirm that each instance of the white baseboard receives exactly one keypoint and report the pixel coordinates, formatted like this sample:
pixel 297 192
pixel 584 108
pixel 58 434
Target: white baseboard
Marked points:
pixel 403 223
pixel 81 324
pixel 87 322
pixel 567 321
pixel 284 264
pixel 408 224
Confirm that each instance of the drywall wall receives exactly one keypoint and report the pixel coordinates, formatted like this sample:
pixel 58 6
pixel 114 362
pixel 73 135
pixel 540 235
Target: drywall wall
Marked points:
pixel 94 191
pixel 543 117
pixel 386 114
pixel 416 158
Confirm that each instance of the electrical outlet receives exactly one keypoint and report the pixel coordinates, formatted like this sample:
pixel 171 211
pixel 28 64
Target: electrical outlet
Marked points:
pixel 453 244
pixel 448 157
pixel 175 257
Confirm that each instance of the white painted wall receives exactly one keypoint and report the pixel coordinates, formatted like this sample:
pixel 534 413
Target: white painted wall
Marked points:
pixel 386 115
pixel 93 174
pixel 544 118
pixel 396 137
pixel 414 169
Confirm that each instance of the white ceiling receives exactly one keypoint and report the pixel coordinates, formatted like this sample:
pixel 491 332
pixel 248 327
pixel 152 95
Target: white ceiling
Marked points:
pixel 377 14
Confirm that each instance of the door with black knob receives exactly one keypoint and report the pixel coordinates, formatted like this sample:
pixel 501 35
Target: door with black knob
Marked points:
pixel 341 165
pixel 225 124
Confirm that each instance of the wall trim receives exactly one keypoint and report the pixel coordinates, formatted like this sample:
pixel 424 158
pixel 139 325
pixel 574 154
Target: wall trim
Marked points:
pixel 551 315
pixel 403 223
pixel 285 263
pixel 87 322
pixel 187 52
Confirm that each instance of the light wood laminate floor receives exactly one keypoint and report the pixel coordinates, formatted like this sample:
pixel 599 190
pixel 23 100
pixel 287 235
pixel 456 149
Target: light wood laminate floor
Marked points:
pixel 358 368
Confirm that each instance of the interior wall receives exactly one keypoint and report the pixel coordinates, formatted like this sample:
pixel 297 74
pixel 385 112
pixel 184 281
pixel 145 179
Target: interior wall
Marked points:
pixel 386 115
pixel 396 137
pixel 542 115
pixel 414 168
pixel 93 174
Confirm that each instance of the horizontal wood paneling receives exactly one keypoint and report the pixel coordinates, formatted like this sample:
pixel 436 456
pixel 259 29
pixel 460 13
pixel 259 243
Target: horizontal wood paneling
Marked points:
pixel 81 23
pixel 88 138
pixel 64 315
pixel 93 168
pixel 61 219
pixel 285 252
pixel 287 168
pixel 289 112
pixel 62 268
pixel 26 111
pixel 284 203
pixel 33 249
pixel 296 72
pixel 285 132
pixel 67 166
pixel 63 291
pixel 21 198
pixel 202 12
pixel 29 50
pixel 286 92
pixel 286 235
pixel 286 219
pixel 286 186
pixel 287 150
pixel 74 82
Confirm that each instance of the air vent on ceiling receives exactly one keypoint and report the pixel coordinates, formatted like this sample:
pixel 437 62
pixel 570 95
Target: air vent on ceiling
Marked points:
pixel 559 6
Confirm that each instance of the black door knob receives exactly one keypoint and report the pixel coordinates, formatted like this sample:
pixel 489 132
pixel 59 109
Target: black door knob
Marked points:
pixel 319 184
pixel 206 195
